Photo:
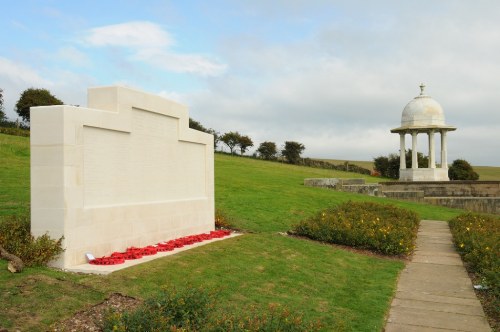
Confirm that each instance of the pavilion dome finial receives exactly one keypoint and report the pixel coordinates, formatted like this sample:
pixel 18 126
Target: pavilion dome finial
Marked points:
pixel 422 88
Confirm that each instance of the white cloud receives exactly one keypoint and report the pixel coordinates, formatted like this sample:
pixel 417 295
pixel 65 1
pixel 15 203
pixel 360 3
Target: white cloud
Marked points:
pixel 150 43
pixel 175 96
pixel 341 89
pixel 130 34
pixel 180 63
pixel 73 56
pixel 16 77
pixel 19 74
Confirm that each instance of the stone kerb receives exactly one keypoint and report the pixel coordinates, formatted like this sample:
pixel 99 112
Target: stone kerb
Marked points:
pixel 127 171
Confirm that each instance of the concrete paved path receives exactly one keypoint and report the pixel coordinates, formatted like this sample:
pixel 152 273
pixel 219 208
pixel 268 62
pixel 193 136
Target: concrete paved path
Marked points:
pixel 434 292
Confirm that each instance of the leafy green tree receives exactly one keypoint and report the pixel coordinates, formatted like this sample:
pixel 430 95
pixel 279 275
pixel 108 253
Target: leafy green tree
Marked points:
pixel 244 143
pixel 292 151
pixel 34 97
pixel 231 139
pixel 422 161
pixel 193 124
pixel 216 135
pixel 267 150
pixel 461 170
pixel 388 166
pixel 2 113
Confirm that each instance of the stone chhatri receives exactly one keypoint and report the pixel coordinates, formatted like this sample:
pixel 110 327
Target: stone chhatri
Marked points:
pixel 423 115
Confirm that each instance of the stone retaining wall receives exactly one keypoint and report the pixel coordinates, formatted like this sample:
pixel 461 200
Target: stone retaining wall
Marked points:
pixel 478 196
pixel 447 188
pixel 478 204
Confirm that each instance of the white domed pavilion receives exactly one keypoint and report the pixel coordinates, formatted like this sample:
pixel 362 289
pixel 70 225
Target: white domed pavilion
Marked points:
pixel 423 115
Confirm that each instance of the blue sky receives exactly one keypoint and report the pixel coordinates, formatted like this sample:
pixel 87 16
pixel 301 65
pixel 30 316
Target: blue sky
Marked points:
pixel 333 75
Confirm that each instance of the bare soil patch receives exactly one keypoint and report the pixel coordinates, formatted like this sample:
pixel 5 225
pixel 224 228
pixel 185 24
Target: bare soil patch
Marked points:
pixel 91 319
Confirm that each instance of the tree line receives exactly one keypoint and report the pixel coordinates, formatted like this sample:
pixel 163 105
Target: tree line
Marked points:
pixel 387 166
pixel 267 150
pixel 233 140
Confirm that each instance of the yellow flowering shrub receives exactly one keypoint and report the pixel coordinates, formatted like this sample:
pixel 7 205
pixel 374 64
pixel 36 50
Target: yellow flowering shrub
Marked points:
pixel 477 239
pixel 382 228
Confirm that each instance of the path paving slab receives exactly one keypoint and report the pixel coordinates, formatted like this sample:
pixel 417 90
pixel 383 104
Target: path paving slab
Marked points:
pixel 434 291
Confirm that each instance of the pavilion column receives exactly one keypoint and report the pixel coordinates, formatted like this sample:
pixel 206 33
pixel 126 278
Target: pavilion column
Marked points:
pixel 444 153
pixel 402 151
pixel 414 160
pixel 432 153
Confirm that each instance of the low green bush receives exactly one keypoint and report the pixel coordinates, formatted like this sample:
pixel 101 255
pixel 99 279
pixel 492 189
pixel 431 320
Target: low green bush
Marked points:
pixel 382 228
pixel 477 239
pixel 275 319
pixel 222 221
pixel 172 310
pixel 194 309
pixel 16 238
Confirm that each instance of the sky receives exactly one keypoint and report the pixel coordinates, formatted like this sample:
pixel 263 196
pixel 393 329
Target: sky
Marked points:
pixel 332 75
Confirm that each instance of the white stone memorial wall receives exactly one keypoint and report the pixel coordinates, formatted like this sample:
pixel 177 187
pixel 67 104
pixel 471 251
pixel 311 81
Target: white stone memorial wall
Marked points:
pixel 127 171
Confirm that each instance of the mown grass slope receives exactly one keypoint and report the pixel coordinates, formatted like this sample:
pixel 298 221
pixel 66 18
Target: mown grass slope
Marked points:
pixel 14 174
pixel 269 196
pixel 345 290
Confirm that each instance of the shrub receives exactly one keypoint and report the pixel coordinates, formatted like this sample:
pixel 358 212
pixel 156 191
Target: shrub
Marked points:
pixel 389 166
pixel 461 170
pixel 172 310
pixel 477 239
pixel 276 319
pixel 14 131
pixel 222 220
pixel 194 309
pixel 16 238
pixel 382 228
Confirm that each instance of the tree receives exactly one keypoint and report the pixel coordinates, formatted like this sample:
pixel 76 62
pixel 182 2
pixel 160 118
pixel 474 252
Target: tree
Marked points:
pixel 231 139
pixel 34 97
pixel 292 151
pixel 2 113
pixel 461 170
pixel 267 150
pixel 193 124
pixel 244 143
pixel 388 166
pixel 216 137
pixel 422 161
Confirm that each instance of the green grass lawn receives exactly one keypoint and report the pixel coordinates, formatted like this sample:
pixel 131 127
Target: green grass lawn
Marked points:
pixel 268 196
pixel 346 291
pixel 488 173
pixel 14 174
